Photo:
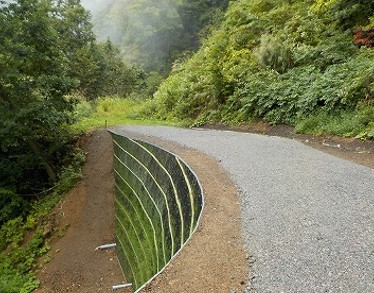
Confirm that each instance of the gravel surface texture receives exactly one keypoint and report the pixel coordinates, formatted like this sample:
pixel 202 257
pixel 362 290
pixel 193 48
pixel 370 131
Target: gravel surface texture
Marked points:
pixel 308 217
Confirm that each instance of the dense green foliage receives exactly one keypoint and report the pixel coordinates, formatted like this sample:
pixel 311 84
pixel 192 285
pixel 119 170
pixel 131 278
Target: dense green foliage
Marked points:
pixel 22 230
pixel 111 111
pixel 281 61
pixel 49 61
pixel 48 57
pixel 101 71
pixel 33 83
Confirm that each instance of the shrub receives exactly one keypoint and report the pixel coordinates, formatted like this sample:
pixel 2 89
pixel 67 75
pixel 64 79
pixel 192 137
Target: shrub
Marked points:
pixel 275 53
pixel 11 205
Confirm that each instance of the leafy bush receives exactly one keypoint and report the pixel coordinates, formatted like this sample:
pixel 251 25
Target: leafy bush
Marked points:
pixel 83 109
pixel 11 205
pixel 15 274
pixel 358 123
pixel 275 53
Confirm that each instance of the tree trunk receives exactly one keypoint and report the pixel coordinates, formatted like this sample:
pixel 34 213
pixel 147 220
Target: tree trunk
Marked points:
pixel 37 149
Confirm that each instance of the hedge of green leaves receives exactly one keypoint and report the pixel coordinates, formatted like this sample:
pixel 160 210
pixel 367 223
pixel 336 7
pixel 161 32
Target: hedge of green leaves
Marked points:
pixel 158 205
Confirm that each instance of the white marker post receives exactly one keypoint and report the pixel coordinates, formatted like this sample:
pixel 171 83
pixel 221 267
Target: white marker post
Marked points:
pixel 124 286
pixel 106 246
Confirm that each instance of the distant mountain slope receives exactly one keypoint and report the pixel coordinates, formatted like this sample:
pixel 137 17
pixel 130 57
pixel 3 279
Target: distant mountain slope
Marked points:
pixel 154 33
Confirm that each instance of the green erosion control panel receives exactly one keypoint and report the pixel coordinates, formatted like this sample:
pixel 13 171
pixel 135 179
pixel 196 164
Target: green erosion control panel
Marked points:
pixel 159 202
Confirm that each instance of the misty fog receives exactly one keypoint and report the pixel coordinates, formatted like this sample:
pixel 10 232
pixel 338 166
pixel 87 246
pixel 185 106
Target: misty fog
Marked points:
pixel 96 5
pixel 104 24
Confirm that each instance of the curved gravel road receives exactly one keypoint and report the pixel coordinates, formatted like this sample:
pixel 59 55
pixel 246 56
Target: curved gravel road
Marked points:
pixel 308 217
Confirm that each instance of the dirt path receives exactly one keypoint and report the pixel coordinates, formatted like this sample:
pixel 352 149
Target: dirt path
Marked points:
pixel 86 218
pixel 212 261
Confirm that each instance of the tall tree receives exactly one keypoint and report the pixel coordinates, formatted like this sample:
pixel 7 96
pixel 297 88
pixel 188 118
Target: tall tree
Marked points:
pixel 34 80
pixel 101 71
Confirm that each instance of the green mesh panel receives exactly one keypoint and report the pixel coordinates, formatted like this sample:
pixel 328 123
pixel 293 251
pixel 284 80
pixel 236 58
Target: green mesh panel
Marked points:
pixel 158 204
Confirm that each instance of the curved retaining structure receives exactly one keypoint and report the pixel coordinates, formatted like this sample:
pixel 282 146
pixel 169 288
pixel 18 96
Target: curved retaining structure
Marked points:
pixel 159 202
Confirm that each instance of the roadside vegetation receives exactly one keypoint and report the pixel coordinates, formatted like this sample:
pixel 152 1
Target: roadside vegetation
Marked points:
pixel 25 218
pixel 309 64
pixel 53 72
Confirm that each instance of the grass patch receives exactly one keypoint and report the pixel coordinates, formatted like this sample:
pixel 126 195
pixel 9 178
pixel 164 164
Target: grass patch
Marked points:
pixel 112 111
pixel 358 123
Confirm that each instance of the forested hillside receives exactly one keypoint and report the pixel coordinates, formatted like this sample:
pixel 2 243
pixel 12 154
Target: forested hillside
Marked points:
pixel 153 34
pixel 304 63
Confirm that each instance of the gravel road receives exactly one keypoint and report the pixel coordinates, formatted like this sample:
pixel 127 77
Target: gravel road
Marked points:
pixel 308 217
